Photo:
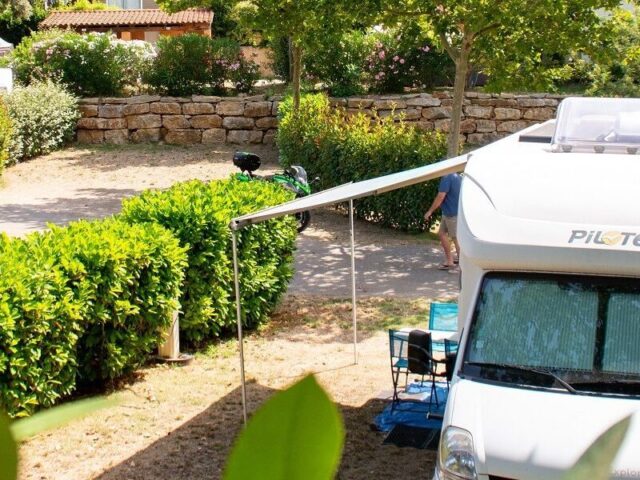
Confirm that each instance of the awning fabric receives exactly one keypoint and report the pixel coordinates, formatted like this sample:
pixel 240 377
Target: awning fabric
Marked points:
pixel 352 191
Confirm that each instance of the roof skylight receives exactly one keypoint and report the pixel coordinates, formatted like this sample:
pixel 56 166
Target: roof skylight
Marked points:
pixel 601 125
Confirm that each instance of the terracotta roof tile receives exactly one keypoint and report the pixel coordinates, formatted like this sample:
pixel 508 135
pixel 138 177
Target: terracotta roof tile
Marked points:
pixel 112 18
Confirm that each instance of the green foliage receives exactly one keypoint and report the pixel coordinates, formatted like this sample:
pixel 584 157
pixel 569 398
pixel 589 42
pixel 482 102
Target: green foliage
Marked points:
pixel 84 302
pixel 88 64
pixel 20 430
pixel 127 278
pixel 508 41
pixel 20 9
pixel 43 116
pixel 280 59
pixel 85 6
pixel 199 214
pixel 5 134
pixel 615 71
pixel 596 462
pixel 341 148
pixel 297 435
pixel 341 65
pixel 25 428
pixel 9 449
pixel 193 63
pixel 13 29
pixel 39 328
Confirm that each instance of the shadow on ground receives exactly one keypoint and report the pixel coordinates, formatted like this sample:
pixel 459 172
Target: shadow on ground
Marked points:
pixel 101 158
pixel 198 449
pixel 90 203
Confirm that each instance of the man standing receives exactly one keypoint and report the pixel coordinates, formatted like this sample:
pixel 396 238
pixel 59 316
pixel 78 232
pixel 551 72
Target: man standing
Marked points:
pixel 448 196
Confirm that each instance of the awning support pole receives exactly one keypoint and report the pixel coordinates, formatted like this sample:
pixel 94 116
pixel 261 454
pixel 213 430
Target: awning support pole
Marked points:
pixel 239 323
pixel 353 286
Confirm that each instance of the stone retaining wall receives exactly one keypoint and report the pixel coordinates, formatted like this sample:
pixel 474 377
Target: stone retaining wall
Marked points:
pixel 215 120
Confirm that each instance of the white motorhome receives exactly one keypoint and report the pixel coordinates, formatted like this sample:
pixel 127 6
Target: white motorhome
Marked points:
pixel 549 357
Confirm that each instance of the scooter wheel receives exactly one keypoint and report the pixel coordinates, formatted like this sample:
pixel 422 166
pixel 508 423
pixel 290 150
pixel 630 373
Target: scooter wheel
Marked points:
pixel 303 220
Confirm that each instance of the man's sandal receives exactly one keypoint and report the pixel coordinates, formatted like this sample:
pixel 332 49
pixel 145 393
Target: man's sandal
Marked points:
pixel 444 266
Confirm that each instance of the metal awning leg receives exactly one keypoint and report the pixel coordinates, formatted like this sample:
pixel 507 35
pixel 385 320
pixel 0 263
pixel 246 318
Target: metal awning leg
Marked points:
pixel 353 286
pixel 239 323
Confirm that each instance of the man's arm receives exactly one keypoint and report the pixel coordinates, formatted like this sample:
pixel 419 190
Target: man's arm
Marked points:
pixel 435 205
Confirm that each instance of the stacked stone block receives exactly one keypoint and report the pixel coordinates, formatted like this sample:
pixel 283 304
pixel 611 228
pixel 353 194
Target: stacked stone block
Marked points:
pixel 253 120
pixel 178 121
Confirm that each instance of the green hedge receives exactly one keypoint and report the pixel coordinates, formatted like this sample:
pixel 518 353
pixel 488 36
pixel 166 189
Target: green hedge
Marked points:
pixel 6 131
pixel 341 148
pixel 199 214
pixel 81 303
pixel 88 302
pixel 128 279
pixel 194 64
pixel 39 328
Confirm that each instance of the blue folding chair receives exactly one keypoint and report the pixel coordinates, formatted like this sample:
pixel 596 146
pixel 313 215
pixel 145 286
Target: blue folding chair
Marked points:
pixel 399 355
pixel 443 317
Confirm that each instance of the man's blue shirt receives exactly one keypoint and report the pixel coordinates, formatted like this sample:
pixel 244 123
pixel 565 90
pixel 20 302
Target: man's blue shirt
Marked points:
pixel 450 184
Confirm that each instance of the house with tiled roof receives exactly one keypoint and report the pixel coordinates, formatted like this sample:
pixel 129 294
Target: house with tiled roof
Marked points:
pixel 133 20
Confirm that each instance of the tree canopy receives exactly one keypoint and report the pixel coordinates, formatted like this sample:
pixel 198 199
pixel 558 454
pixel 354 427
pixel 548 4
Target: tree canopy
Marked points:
pixel 507 38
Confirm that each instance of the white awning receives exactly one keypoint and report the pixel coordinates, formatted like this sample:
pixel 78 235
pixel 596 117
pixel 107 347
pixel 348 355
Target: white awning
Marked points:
pixel 352 191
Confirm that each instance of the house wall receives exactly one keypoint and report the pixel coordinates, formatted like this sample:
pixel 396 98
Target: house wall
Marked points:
pixel 211 120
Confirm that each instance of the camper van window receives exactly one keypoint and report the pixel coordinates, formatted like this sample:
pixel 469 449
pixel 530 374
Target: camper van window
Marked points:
pixel 552 330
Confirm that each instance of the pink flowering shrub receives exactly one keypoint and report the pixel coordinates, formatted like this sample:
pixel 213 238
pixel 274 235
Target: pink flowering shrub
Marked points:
pixel 388 61
pixel 397 61
pixel 87 64
pixel 194 64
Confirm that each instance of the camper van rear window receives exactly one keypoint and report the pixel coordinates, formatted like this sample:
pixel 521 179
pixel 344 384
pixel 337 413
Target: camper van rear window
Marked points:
pixel 530 328
pixel 600 125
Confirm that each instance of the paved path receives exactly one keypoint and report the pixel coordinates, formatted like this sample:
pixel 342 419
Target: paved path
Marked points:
pixel 81 183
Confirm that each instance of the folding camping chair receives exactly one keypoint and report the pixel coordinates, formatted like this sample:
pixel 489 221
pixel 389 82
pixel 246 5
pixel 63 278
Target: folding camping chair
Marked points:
pixel 410 352
pixel 399 355
pixel 422 362
pixel 443 323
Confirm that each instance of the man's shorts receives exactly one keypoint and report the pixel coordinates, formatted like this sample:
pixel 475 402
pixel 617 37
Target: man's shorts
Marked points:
pixel 449 226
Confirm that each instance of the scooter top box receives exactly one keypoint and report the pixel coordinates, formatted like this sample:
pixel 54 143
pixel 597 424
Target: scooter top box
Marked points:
pixel 247 162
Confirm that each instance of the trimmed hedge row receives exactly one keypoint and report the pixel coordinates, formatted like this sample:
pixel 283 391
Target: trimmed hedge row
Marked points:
pixel 340 148
pixel 199 214
pixel 85 302
pixel 88 302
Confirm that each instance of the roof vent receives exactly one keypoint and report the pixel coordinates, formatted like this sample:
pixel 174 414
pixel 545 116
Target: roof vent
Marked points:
pixel 600 125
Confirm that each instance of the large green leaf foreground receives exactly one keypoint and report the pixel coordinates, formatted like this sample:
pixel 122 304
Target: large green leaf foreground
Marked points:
pixel 296 435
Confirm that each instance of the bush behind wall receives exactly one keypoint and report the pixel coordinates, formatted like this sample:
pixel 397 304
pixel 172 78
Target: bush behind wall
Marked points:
pixel 340 148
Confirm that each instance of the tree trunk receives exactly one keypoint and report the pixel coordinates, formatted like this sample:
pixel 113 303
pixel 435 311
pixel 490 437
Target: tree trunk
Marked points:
pixel 462 69
pixel 297 74
pixel 290 57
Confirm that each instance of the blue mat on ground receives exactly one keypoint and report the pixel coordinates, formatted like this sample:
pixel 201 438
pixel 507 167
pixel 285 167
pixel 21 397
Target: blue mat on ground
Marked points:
pixel 414 412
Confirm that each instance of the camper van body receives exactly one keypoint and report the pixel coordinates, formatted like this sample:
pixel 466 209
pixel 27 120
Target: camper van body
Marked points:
pixel 550 262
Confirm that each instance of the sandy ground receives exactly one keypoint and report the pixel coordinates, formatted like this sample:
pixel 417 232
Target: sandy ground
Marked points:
pixel 179 423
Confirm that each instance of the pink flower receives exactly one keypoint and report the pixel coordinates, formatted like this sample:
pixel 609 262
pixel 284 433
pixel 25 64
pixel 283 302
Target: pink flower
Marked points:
pixel 426 48
pixel 381 54
pixel 402 61
pixel 396 58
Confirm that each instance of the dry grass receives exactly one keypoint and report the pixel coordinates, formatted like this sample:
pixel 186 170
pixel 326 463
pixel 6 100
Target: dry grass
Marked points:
pixel 180 423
